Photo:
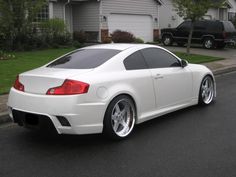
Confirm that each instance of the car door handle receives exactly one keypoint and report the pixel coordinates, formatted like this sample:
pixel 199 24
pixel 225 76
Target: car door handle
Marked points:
pixel 158 76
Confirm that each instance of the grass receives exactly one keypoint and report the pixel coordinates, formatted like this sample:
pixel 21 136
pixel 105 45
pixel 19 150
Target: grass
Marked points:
pixel 25 61
pixel 193 58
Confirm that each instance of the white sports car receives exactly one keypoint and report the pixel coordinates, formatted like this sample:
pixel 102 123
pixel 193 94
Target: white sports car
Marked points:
pixel 108 88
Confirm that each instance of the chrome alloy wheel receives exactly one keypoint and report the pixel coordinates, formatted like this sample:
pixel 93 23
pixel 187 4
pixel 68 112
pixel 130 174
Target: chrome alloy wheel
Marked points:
pixel 123 117
pixel 207 90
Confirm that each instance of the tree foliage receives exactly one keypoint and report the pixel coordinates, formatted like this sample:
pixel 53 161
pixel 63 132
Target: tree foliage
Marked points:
pixel 16 17
pixel 194 10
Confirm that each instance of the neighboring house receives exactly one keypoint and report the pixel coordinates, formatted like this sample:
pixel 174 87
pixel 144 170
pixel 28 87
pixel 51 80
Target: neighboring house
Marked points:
pixel 170 19
pixel 99 18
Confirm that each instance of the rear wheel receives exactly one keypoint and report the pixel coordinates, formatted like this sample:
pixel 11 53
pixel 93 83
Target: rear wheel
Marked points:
pixel 167 40
pixel 208 43
pixel 120 117
pixel 207 90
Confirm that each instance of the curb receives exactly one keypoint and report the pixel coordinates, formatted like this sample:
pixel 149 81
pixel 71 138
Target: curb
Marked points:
pixel 224 70
pixel 4 117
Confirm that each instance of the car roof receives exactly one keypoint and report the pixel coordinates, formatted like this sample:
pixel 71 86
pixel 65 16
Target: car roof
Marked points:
pixel 116 46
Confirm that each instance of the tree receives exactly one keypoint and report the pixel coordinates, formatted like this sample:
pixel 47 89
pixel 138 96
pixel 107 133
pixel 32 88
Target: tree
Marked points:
pixel 16 17
pixel 194 10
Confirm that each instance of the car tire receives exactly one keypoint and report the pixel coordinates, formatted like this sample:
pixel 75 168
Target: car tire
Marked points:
pixel 208 43
pixel 207 91
pixel 119 118
pixel 167 40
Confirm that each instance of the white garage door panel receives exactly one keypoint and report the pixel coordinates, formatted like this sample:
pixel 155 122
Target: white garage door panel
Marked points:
pixel 139 25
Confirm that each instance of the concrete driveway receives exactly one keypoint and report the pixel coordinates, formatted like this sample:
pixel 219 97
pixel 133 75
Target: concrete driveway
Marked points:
pixel 224 53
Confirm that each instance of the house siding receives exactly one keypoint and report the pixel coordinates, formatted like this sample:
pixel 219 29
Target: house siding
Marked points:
pixel 168 16
pixel 86 16
pixel 58 10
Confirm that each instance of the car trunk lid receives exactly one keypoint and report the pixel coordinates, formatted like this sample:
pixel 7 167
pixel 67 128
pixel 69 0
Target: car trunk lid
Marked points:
pixel 38 81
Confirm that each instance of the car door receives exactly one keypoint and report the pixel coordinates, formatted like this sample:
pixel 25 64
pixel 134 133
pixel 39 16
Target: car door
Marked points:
pixel 172 82
pixel 182 31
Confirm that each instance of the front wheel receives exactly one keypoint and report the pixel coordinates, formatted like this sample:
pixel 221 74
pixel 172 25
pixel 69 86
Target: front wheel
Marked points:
pixel 167 40
pixel 119 118
pixel 206 93
pixel 208 43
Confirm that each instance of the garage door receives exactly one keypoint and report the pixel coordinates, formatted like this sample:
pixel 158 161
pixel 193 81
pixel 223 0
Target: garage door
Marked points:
pixel 139 25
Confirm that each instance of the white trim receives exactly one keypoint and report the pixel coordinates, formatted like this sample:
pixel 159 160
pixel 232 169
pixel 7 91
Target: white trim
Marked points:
pixel 50 8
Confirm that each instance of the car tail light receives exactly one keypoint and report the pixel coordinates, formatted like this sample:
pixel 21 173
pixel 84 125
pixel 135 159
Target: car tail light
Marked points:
pixel 224 35
pixel 69 87
pixel 18 85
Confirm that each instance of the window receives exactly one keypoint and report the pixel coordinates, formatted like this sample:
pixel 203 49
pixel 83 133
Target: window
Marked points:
pixel 200 25
pixel 43 14
pixel 214 26
pixel 135 61
pixel 84 59
pixel 231 16
pixel 158 58
pixel 185 25
pixel 228 26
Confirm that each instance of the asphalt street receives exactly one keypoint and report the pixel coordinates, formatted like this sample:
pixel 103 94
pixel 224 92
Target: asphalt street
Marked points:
pixel 194 142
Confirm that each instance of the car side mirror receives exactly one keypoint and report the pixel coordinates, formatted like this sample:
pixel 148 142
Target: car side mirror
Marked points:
pixel 184 63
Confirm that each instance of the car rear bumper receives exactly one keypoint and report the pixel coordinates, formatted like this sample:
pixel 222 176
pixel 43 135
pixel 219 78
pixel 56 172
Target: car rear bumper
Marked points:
pixel 68 114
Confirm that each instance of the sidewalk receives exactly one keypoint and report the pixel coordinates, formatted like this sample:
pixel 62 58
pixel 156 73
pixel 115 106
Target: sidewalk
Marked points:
pixel 217 67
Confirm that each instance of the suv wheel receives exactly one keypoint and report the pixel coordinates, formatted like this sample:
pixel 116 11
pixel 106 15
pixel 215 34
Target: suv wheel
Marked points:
pixel 167 40
pixel 208 43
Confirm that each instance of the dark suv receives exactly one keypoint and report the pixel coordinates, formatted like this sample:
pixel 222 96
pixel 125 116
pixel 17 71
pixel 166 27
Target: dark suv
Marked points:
pixel 209 33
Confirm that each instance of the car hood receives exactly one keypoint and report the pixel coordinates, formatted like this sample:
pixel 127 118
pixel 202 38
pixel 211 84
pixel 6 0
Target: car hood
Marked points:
pixel 38 81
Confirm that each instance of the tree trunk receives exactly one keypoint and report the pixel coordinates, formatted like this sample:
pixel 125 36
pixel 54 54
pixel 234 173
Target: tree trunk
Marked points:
pixel 190 38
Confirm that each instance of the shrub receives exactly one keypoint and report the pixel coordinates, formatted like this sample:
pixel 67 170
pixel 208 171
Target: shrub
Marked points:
pixel 77 44
pixel 107 40
pixel 80 36
pixel 54 33
pixel 119 36
pixel 138 40
pixel 5 56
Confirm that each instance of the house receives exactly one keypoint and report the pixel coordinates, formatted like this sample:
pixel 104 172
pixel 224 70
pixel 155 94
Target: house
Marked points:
pixel 99 18
pixel 169 18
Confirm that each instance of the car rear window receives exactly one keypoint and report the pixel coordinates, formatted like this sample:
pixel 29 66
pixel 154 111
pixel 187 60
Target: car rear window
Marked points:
pixel 84 59
pixel 229 27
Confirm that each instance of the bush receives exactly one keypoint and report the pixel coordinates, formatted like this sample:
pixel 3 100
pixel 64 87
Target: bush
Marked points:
pixel 138 40
pixel 5 56
pixel 77 45
pixel 80 36
pixel 107 40
pixel 54 33
pixel 119 36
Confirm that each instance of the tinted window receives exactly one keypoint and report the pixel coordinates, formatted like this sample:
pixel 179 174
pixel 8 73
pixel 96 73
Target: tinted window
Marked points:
pixel 199 25
pixel 185 25
pixel 228 26
pixel 214 26
pixel 84 59
pixel 135 61
pixel 158 58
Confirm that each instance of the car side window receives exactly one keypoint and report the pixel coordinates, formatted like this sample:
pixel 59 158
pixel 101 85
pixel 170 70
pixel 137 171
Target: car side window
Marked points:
pixel 184 26
pixel 159 58
pixel 135 61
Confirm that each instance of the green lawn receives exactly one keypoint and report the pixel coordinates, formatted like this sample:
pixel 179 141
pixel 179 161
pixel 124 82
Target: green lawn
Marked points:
pixel 25 61
pixel 192 58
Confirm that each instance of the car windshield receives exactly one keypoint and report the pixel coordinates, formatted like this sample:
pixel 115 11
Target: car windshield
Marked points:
pixel 84 59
